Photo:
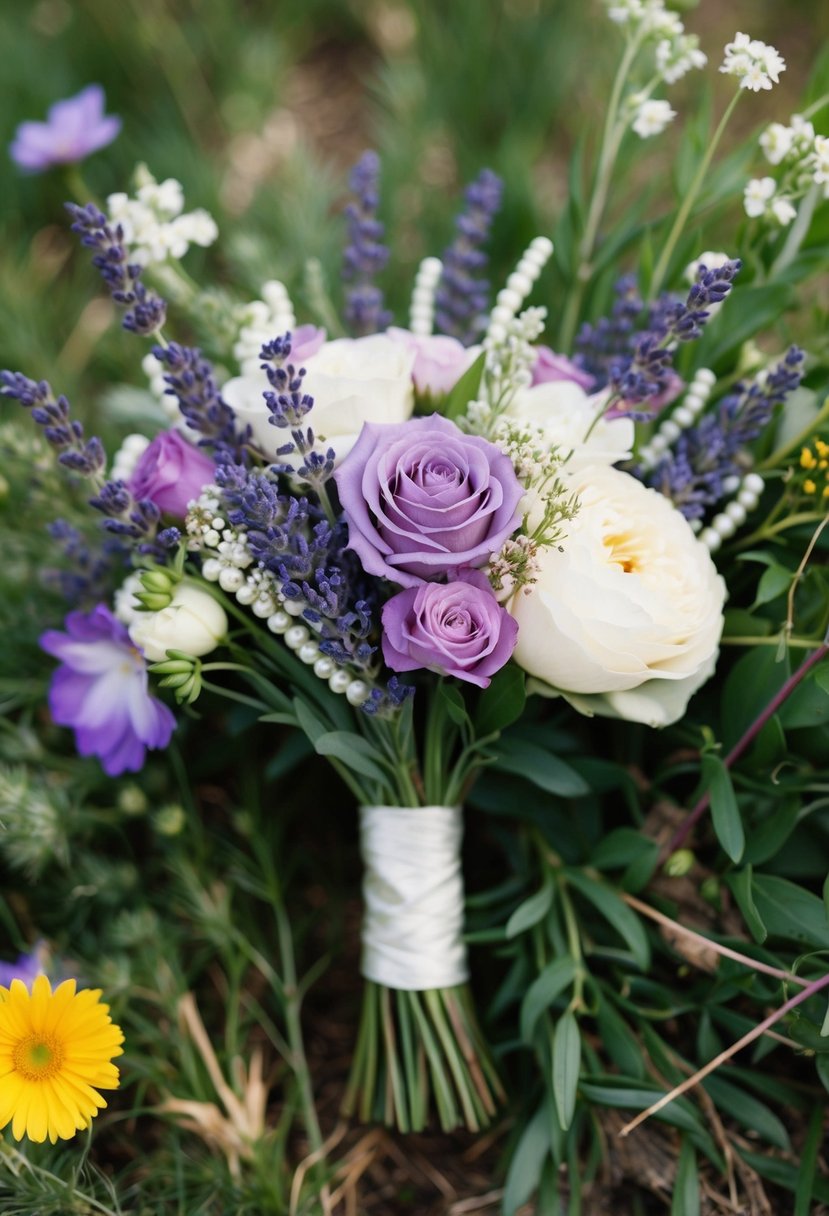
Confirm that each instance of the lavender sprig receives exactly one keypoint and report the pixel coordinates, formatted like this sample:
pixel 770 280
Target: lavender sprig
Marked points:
pixel 146 311
pixel 462 297
pixel 289 406
pixel 704 456
pixel 365 255
pixel 85 457
pixel 89 576
pixel 190 379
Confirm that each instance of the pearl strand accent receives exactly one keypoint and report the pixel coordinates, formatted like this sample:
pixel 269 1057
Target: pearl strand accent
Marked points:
pixel 733 516
pixel 422 307
pixel 518 287
pixel 258 589
pixel 685 415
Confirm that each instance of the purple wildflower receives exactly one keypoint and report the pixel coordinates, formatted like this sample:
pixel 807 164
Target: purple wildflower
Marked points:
pixel 100 691
pixel 462 297
pixel 74 128
pixel 365 255
pixel 26 967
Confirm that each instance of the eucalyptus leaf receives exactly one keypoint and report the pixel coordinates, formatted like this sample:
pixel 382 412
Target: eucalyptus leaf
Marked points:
pixel 566 1066
pixel 740 882
pixel 531 911
pixel 615 912
pixel 542 768
pixel 685 1201
pixel 543 991
pixel 725 813
pixel 524 1171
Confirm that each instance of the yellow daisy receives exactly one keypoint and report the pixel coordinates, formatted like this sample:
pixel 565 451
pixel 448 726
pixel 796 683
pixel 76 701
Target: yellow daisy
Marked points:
pixel 55 1053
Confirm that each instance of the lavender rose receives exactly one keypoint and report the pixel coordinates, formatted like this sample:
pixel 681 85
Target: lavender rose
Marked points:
pixel 439 363
pixel 456 628
pixel 550 368
pixel 172 473
pixel 423 499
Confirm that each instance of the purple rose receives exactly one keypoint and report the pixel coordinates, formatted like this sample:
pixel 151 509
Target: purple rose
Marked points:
pixel 74 128
pixel 423 499
pixel 456 628
pixel 440 361
pixel 306 340
pixel 652 406
pixel 549 366
pixel 172 473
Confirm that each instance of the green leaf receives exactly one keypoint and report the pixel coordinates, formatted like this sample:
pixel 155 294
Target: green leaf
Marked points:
pixel 566 1066
pixel 826 894
pixel 629 1094
pixel 355 753
pixel 751 684
pixel 621 847
pixel 685 1201
pixel 807 706
pixel 524 1171
pixel 810 1151
pixel 740 884
pixel 725 813
pixel 308 720
pixel 531 911
pixel 787 910
pixel 454 702
pixel 616 912
pixel 465 390
pixel 542 768
pixel 747 311
pixel 748 1111
pixel 545 988
pixel 503 702
pixel 774 582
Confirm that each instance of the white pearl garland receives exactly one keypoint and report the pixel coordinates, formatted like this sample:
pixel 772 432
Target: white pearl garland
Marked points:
pixel 726 523
pixel 685 415
pixel 422 307
pixel 519 285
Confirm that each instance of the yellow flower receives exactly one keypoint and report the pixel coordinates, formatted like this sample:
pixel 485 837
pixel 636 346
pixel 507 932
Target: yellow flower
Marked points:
pixel 55 1053
pixel 809 486
pixel 807 459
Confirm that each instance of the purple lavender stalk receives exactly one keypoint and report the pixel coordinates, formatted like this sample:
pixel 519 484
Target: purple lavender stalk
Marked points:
pixel 365 255
pixel 100 691
pixel 146 311
pixel 462 297
pixel 74 128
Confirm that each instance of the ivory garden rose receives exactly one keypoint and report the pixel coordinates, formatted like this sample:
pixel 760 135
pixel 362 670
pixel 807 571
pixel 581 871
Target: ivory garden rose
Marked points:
pixel 423 499
pixel 352 381
pixel 574 423
pixel 625 619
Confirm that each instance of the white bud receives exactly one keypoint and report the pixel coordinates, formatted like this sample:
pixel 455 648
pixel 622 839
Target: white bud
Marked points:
pixel 231 579
pixel 194 622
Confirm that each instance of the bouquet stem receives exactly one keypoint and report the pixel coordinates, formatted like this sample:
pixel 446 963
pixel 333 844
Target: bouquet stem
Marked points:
pixel 415 1047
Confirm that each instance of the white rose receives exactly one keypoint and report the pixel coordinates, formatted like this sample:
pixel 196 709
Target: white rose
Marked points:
pixel 565 414
pixel 626 619
pixel 352 381
pixel 194 622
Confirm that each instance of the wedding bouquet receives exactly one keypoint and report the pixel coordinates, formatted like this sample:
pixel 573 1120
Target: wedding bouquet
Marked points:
pixel 391 537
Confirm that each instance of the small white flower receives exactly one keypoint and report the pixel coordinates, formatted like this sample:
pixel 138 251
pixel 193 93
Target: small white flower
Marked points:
pixel 153 224
pixel 802 131
pixel 756 64
pixel 783 211
pixel 652 117
pixel 777 142
pixel 820 163
pixel 710 259
pixel 678 56
pixel 757 194
pixel 624 11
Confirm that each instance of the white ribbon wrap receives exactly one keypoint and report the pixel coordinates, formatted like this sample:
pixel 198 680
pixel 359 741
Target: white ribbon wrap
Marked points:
pixel 413 893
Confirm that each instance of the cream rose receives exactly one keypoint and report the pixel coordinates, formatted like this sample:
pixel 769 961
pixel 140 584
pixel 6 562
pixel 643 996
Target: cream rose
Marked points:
pixel 352 381
pixel 194 623
pixel 625 619
pixel 566 414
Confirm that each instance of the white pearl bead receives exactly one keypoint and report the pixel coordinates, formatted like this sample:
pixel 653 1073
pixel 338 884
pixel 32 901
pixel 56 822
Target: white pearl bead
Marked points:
pixel 706 376
pixel 711 539
pixel 731 485
pixel 309 652
pixel 323 667
pixel 646 457
pixel 520 282
pixel 724 526
pixel 211 538
pixel 296 636
pixel 696 525
pixel 211 569
pixel 279 622
pixel 501 315
pixel 748 499
pixel 263 606
pixel 693 403
pixel 231 579
pixel 246 594
pixel 658 444
pixel 736 512
pixel 356 692
pixel 682 416
pixel 339 680
pixel 542 246
pixel 218 523
pixel 496 331
pixel 294 607
pixel 669 430
pixel 509 299
pixel 753 482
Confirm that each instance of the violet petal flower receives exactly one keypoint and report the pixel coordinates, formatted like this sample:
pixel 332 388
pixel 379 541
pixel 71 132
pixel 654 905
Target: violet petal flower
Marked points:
pixel 171 472
pixel 74 128
pixel 456 628
pixel 550 367
pixel 26 967
pixel 100 691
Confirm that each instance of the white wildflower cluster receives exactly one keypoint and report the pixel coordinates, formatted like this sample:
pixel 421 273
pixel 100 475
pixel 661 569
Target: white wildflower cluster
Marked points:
pixel 790 145
pixel 650 115
pixel 154 222
pixel 125 460
pixel 227 560
pixel 802 158
pixel 261 321
pixel 679 55
pixel 514 568
pixel 755 64
pixel 820 163
pixel 510 356
pixel 762 200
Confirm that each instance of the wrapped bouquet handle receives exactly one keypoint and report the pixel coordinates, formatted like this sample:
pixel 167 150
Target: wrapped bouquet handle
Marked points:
pixel 419 1043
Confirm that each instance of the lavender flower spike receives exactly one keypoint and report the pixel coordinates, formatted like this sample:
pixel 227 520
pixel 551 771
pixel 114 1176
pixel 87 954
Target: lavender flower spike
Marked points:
pixel 73 129
pixel 365 255
pixel 146 311
pixel 462 298
pixel 100 690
